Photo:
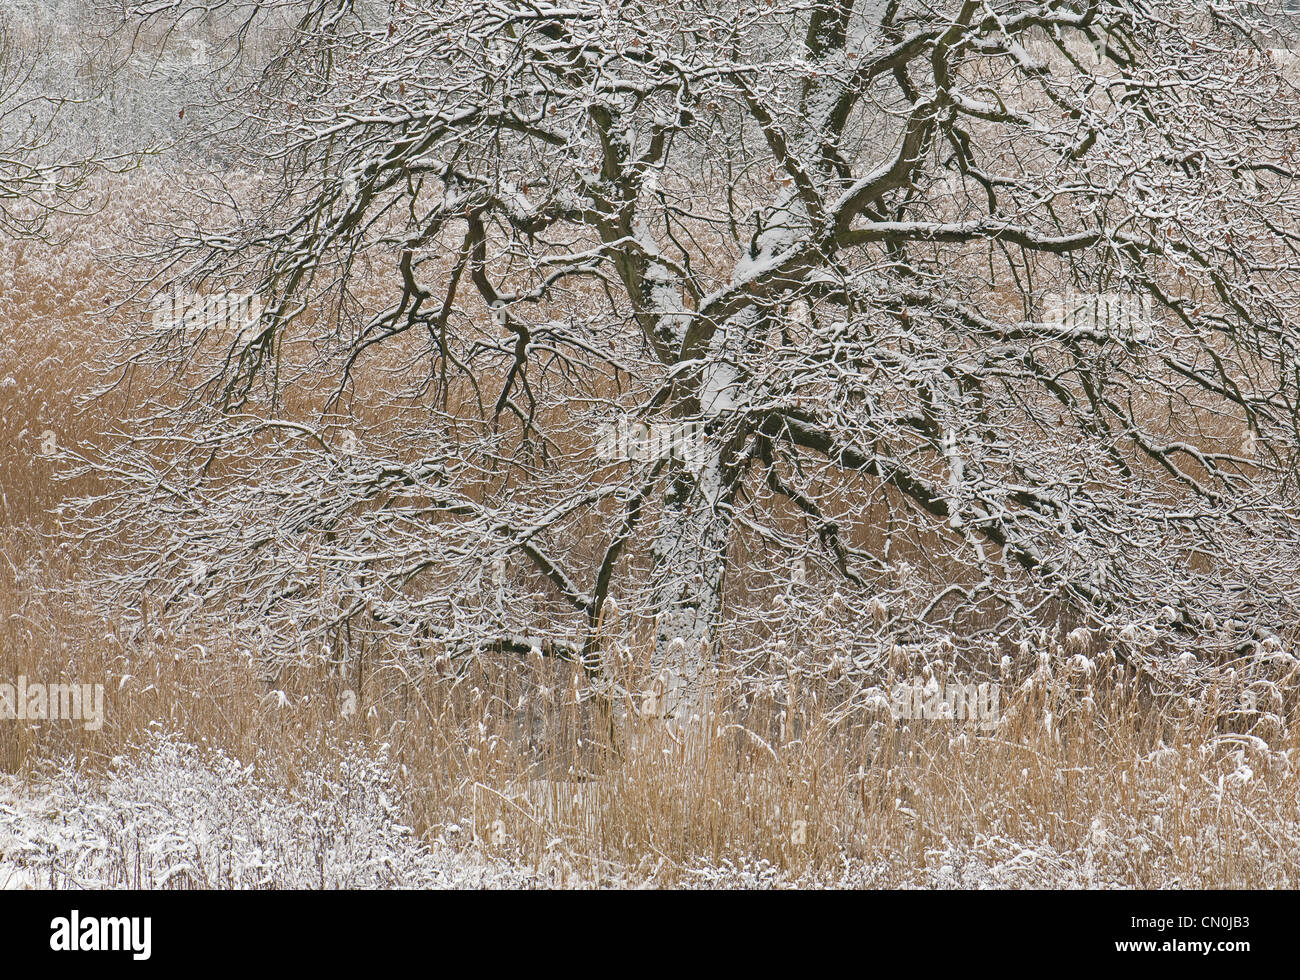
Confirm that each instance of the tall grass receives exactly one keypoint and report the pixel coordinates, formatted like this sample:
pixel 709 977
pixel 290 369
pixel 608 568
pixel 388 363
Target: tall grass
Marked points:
pixel 1094 776
pixel 1083 782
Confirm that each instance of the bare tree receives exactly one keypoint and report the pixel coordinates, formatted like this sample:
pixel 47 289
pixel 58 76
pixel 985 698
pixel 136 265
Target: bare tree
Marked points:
pixel 846 323
pixel 36 180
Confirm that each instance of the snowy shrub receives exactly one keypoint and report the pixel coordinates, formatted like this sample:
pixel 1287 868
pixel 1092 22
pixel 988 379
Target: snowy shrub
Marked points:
pixel 173 815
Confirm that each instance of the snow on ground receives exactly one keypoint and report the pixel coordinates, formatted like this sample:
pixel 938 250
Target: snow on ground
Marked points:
pixel 15 806
pixel 173 816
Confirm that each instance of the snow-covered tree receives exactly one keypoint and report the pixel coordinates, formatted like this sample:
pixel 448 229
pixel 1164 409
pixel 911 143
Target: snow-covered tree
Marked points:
pixel 36 180
pixel 901 320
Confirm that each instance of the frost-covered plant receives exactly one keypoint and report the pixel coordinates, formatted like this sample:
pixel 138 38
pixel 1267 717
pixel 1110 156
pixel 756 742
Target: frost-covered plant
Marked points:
pixel 172 815
pixel 828 255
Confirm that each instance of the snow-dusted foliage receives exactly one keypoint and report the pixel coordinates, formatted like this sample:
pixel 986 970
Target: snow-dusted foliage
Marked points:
pixel 35 179
pixel 172 815
pixel 169 814
pixel 827 235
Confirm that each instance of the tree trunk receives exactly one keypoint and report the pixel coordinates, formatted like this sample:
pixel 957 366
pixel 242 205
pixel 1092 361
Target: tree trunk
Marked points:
pixel 690 549
pixel 690 558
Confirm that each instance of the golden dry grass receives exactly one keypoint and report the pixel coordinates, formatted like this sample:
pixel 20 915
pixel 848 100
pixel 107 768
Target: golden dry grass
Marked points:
pixel 1088 780
pixel 1081 784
